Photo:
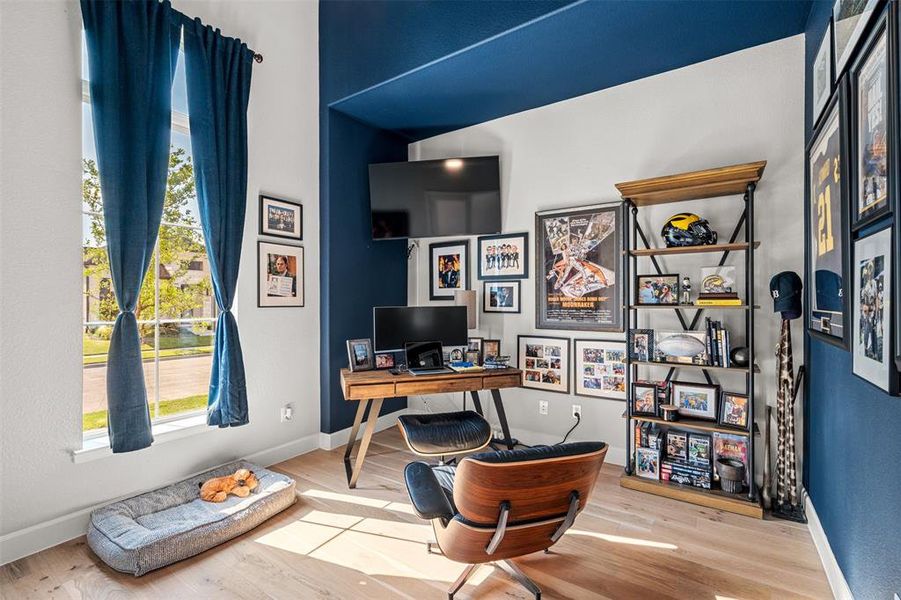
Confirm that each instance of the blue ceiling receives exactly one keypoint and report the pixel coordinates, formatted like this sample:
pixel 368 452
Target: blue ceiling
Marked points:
pixel 572 50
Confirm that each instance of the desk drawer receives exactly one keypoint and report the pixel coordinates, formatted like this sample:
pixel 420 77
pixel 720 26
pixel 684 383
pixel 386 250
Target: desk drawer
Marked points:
pixel 503 381
pixel 439 386
pixel 371 390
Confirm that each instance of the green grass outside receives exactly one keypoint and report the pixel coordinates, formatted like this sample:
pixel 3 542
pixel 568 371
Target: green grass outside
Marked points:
pixel 95 350
pixel 97 419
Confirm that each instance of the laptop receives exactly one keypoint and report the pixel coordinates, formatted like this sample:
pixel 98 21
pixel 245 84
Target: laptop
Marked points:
pixel 425 358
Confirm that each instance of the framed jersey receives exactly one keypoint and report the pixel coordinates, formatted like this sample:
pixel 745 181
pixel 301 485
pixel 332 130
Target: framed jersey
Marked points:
pixel 827 224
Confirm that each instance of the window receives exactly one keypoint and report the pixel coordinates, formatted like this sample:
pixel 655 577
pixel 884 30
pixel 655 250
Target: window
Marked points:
pixel 176 311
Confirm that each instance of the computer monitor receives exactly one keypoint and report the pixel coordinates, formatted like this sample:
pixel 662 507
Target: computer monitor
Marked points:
pixel 394 326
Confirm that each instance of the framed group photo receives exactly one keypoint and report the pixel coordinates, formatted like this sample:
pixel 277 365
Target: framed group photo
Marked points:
pixel 827 215
pixel 579 270
pixel 599 368
pixel 281 218
pixel 501 296
pixel 503 256
pixel 280 275
pixel 657 289
pixel 448 269
pixel 544 362
pixel 695 400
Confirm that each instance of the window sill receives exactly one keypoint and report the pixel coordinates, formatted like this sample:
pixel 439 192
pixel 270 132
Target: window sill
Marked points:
pixel 98 447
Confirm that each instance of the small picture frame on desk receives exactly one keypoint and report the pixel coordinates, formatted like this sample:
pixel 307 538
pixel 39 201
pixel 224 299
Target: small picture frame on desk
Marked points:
pixel 491 349
pixel 359 355
pixel 384 360
pixel 656 290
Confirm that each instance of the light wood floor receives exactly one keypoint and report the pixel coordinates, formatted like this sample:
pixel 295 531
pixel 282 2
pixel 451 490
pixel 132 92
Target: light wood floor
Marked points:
pixel 366 543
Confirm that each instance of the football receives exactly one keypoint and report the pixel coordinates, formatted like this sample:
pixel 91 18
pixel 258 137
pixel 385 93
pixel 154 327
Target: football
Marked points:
pixel 681 345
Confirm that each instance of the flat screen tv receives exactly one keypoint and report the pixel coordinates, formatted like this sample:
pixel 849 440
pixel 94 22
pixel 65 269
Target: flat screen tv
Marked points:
pixel 435 198
pixel 394 326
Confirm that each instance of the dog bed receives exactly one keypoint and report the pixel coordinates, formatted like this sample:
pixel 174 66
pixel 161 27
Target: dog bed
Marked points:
pixel 161 527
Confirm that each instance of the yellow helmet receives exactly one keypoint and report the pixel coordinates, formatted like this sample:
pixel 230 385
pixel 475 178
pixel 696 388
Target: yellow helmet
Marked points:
pixel 687 229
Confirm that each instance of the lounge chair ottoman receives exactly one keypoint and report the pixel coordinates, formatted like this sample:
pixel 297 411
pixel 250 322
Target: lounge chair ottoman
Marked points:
pixel 167 525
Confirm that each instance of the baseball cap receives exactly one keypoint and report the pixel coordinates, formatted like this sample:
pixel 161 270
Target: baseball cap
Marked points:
pixel 785 288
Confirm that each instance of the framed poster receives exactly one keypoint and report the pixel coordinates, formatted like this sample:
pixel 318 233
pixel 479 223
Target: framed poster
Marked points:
pixel 822 74
pixel 544 362
pixel 599 368
pixel 504 256
pixel 281 218
pixel 501 296
pixel 579 268
pixel 872 340
pixel 849 20
pixel 448 269
pixel 280 275
pixel 827 231
pixel 874 121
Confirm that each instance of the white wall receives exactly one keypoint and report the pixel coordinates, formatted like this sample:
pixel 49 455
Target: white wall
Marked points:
pixel 40 264
pixel 742 107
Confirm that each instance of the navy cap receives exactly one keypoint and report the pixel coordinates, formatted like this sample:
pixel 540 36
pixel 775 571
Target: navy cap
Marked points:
pixel 785 288
pixel 829 291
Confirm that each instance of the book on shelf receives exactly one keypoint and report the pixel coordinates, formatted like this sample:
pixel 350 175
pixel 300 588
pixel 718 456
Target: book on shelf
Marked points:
pixel 718 302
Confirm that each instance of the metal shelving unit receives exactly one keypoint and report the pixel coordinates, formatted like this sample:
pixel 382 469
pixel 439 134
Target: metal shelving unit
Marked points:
pixel 712 183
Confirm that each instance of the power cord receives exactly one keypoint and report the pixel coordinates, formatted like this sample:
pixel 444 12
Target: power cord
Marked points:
pixel 565 437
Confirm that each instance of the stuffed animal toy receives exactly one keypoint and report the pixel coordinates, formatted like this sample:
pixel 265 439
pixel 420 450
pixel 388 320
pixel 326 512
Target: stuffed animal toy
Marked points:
pixel 240 484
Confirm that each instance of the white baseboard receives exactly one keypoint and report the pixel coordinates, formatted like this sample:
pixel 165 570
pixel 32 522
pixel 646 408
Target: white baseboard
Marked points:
pixel 330 441
pixel 834 574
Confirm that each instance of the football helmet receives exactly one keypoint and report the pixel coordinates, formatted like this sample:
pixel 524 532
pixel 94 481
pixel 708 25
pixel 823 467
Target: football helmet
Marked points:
pixel 687 229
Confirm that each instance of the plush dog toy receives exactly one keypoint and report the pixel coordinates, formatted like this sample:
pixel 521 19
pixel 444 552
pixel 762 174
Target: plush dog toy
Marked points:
pixel 240 484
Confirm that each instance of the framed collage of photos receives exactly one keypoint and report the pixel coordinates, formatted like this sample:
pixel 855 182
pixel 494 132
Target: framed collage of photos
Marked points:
pixel 503 256
pixel 448 269
pixel 544 362
pixel 599 368
pixel 579 268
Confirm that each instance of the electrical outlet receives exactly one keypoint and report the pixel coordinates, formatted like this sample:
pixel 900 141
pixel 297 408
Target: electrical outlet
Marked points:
pixel 542 407
pixel 287 413
pixel 577 409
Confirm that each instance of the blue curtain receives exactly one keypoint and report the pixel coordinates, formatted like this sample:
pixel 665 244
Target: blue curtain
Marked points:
pixel 218 72
pixel 132 49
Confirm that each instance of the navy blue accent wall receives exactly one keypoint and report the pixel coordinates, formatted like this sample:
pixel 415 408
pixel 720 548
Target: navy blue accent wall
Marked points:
pixel 853 444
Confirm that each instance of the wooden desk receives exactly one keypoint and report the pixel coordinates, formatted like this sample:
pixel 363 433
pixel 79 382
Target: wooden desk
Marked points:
pixel 372 387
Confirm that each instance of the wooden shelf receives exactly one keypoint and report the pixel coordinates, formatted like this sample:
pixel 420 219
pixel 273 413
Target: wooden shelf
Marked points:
pixel 696 424
pixel 679 365
pixel 691 307
pixel 716 499
pixel 709 183
pixel 735 247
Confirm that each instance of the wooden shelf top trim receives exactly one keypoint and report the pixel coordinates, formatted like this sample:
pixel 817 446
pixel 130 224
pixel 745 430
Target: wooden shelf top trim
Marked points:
pixel 695 185
pixel 716 499
pixel 735 247
pixel 679 365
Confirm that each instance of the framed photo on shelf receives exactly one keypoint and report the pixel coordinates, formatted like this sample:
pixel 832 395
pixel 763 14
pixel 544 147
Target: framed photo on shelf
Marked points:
pixel 656 289
pixel 641 344
pixel 644 399
pixel 733 410
pixel 501 297
pixel 695 400
pixel 280 275
pixel 827 216
pixel 281 218
pixel 647 463
pixel 448 269
pixel 490 349
pixel 384 360
pixel 359 355
pixel 676 445
pixel 544 362
pixel 700 450
pixel 579 274
pixel 504 256
pixel 599 368
pixel 822 74
pixel 872 356
pixel 849 20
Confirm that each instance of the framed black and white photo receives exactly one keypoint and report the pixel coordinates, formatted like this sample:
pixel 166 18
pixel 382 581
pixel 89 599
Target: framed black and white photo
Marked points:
pixel 733 411
pixel 503 256
pixel 822 74
pixel 448 269
pixel 849 20
pixel 872 309
pixel 359 355
pixel 579 268
pixel 281 218
pixel 280 275
pixel 827 216
pixel 657 289
pixel 645 399
pixel 641 344
pixel 544 362
pixel 501 296
pixel 599 368
pixel 873 107
pixel 695 400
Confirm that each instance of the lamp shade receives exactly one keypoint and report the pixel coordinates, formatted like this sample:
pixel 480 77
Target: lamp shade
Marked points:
pixel 467 298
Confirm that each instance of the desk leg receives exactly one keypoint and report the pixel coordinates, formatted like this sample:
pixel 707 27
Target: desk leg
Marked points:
pixel 502 417
pixel 476 402
pixel 353 472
